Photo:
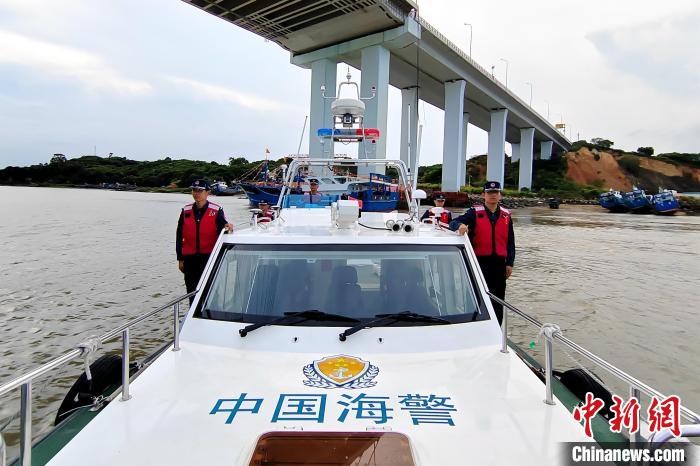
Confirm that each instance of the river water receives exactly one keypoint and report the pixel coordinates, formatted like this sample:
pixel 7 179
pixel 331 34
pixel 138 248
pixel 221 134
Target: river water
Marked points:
pixel 76 263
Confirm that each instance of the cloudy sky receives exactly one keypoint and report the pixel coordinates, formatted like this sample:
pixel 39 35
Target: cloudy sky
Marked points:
pixel 148 79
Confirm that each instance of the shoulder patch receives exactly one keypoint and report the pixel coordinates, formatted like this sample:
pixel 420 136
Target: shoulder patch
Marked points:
pixel 187 207
pixel 478 208
pixel 505 211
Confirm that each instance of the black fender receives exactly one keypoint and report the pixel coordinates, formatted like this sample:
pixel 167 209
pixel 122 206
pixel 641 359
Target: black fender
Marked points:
pixel 580 382
pixel 106 373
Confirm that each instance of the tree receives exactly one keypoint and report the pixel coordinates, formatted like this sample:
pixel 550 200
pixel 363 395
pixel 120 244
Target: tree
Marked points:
pixel 648 151
pixel 58 158
pixel 602 143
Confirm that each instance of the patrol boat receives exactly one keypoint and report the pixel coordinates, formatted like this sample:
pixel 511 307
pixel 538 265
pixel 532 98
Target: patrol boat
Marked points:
pixel 329 336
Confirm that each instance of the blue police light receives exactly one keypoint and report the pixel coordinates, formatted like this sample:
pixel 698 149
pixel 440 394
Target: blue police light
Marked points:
pixel 324 132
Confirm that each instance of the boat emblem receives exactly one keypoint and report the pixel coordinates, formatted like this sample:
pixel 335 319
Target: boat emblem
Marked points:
pixel 340 371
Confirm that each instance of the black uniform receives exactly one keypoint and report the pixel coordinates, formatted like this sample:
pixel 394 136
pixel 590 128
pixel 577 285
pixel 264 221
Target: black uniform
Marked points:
pixel 493 267
pixel 195 263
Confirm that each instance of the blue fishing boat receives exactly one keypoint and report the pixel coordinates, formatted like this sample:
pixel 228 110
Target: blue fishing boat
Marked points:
pixel 612 200
pixel 665 203
pixel 263 191
pixel 638 201
pixel 378 194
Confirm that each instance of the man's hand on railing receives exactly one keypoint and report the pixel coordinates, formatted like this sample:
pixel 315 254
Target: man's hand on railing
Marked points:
pixel 228 227
pixel 463 229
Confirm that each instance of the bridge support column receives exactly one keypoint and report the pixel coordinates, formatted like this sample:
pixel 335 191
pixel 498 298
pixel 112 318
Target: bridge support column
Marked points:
pixel 527 139
pixel 323 73
pixel 546 150
pixel 452 178
pixel 463 157
pixel 375 73
pixel 409 128
pixel 497 146
pixel 515 156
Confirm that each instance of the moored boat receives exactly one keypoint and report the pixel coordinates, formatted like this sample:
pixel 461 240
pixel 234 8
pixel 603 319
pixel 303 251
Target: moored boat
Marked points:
pixel 219 188
pixel 665 203
pixel 612 200
pixel 637 201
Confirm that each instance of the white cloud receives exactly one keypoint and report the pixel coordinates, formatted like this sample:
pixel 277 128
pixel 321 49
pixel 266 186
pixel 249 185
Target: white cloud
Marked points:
pixel 66 62
pixel 226 94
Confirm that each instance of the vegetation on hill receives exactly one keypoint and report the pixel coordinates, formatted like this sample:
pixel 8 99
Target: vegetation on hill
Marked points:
pixel 90 169
pixel 550 177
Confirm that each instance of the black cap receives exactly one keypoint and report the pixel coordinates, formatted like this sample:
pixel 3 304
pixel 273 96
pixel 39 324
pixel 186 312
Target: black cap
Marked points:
pixel 313 182
pixel 200 184
pixel 439 197
pixel 263 203
pixel 492 186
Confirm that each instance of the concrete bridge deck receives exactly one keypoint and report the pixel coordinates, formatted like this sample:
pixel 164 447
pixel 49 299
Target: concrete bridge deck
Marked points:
pixel 420 57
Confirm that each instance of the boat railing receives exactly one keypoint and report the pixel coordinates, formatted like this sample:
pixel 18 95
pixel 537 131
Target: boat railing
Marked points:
pixel 24 381
pixel 552 334
pixel 296 164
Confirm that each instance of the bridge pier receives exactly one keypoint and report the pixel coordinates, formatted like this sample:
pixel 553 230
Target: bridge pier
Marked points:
pixel 452 146
pixel 323 73
pixel 375 73
pixel 527 139
pixel 463 156
pixel 497 146
pixel 409 128
pixel 515 152
pixel 546 150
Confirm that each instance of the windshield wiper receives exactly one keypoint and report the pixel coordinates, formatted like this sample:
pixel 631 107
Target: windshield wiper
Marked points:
pixel 386 319
pixel 311 314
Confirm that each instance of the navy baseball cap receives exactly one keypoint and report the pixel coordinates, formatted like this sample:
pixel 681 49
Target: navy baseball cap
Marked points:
pixel 439 197
pixel 200 184
pixel 492 186
pixel 263 203
pixel 313 182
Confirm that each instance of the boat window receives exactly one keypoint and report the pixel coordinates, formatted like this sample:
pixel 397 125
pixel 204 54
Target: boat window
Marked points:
pixel 254 283
pixel 327 181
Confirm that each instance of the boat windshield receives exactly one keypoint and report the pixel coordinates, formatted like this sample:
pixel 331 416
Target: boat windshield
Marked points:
pixel 257 283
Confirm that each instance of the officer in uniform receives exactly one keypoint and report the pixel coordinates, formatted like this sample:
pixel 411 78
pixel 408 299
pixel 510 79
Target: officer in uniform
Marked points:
pixel 314 195
pixel 438 210
pixel 266 213
pixel 197 231
pixel 490 231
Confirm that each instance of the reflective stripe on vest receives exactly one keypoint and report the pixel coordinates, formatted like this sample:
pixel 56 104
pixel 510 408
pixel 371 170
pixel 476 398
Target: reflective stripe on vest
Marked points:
pixel 199 237
pixel 486 233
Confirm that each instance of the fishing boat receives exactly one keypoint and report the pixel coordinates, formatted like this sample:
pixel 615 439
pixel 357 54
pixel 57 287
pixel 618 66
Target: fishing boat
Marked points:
pixel 638 201
pixel 665 203
pixel 331 336
pixel 219 188
pixel 612 200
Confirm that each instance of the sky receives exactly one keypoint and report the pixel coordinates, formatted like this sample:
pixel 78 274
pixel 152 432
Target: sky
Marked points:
pixel 157 78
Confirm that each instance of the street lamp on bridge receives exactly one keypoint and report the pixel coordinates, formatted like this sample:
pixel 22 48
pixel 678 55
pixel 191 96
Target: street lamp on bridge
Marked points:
pixel 506 62
pixel 470 38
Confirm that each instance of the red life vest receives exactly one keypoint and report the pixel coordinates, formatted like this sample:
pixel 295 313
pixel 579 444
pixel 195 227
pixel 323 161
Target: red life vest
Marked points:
pixel 199 237
pixel 489 236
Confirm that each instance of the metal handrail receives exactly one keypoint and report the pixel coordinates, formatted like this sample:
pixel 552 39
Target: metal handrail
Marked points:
pixel 25 381
pixel 635 385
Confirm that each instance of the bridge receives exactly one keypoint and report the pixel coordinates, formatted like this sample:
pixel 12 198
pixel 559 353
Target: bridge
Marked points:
pixel 391 45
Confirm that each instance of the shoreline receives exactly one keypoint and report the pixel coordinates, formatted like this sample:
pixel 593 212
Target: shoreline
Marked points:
pixel 689 205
